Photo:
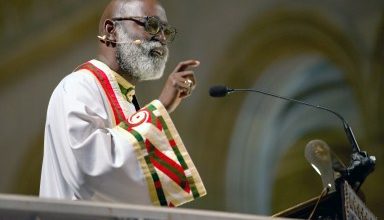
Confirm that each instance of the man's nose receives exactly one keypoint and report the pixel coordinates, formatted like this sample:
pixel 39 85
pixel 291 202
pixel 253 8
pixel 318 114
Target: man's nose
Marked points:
pixel 161 37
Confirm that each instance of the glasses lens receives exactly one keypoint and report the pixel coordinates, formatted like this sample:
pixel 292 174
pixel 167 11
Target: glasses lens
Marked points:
pixel 152 25
pixel 169 33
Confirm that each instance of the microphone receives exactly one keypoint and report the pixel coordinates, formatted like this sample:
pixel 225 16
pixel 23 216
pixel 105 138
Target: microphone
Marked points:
pixel 221 91
pixel 361 164
pixel 104 39
pixel 318 154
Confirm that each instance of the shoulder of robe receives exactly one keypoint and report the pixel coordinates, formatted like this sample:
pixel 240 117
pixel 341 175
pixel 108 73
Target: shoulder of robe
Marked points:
pixel 81 81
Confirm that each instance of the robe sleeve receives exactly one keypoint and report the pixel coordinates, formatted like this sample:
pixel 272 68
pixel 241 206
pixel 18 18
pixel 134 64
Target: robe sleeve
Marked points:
pixel 142 160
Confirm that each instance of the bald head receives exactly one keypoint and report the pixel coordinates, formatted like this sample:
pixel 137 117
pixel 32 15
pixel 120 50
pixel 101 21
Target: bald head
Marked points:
pixel 128 8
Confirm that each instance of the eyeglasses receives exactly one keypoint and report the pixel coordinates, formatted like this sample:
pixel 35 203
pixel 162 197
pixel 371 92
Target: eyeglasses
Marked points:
pixel 152 25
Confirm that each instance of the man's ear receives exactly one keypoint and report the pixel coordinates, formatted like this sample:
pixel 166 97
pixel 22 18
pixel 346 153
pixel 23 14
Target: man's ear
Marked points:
pixel 110 31
pixel 109 26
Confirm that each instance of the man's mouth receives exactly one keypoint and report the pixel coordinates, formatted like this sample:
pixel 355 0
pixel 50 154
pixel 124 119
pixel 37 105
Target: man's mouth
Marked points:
pixel 157 52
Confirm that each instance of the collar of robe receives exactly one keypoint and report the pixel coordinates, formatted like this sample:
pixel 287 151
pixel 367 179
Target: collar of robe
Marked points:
pixel 126 88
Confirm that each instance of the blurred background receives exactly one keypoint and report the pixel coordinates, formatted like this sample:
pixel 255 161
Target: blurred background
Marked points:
pixel 249 148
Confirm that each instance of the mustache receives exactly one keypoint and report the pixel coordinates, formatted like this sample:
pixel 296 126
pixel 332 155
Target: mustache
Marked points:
pixel 154 48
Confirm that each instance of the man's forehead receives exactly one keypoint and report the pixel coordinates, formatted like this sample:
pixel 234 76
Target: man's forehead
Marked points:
pixel 142 9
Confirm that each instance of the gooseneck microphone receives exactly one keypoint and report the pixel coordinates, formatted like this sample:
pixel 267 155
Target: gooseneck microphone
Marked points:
pixel 361 164
pixel 221 91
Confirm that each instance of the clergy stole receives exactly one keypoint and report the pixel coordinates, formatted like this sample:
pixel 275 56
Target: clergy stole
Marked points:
pixel 171 176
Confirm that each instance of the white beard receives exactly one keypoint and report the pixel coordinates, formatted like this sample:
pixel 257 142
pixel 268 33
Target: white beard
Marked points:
pixel 136 59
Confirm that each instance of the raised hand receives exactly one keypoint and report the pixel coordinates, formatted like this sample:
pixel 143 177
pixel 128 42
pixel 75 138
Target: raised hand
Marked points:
pixel 179 85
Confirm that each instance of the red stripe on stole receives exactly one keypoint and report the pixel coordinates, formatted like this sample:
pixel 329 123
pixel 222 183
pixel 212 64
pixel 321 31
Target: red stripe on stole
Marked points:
pixel 159 125
pixel 104 81
pixel 165 158
pixel 165 170
pixel 171 175
pixel 168 161
pixel 172 143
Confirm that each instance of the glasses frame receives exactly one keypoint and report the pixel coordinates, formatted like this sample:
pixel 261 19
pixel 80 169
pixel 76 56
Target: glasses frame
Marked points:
pixel 162 26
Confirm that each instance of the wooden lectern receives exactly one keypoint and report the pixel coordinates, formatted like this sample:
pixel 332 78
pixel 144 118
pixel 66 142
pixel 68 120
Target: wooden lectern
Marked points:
pixel 341 204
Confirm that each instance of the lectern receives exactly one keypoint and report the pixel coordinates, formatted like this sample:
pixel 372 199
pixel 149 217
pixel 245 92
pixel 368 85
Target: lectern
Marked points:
pixel 32 208
pixel 341 204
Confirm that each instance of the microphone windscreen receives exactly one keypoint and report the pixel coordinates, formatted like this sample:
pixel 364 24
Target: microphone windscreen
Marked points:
pixel 218 91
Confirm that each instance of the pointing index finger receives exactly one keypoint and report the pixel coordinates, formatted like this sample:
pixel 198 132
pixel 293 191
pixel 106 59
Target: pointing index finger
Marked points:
pixel 185 64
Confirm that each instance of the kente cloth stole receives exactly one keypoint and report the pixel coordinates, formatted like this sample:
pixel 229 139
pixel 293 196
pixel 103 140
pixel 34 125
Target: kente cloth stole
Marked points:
pixel 171 176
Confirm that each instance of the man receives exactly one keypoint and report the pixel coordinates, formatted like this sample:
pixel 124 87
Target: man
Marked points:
pixel 99 144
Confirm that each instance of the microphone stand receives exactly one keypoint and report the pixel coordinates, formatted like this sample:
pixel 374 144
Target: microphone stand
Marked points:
pixel 361 164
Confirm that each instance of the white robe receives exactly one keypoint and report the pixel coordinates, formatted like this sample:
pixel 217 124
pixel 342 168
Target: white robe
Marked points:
pixel 87 156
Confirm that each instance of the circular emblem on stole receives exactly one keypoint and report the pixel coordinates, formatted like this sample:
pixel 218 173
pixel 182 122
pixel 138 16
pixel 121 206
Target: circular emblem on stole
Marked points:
pixel 139 117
